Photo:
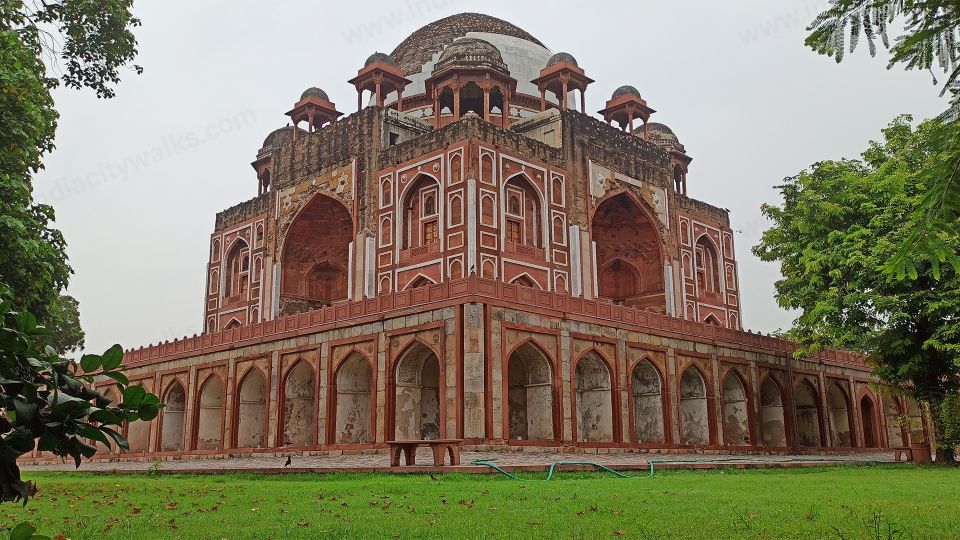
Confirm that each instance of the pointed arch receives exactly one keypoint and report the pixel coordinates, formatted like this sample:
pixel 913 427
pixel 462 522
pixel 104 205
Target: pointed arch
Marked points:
pixel 526 280
pixel 626 231
pixel 868 421
pixel 694 409
pixel 353 402
pixel 420 280
pixel 209 416
pixel 523 214
pixel 251 410
pixel 299 425
pixel 315 254
pixel 736 410
pixel 712 319
pixel 416 397
pixel 531 395
pixel 594 398
pixel 838 405
pixel 233 323
pixel 237 269
pixel 419 213
pixel 646 383
pixel 707 257
pixel 809 428
pixel 174 418
pixel 772 418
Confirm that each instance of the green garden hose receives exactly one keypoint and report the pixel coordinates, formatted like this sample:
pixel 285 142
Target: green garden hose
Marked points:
pixel 490 462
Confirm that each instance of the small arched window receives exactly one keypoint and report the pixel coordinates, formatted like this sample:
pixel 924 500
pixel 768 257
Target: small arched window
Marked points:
pixel 430 206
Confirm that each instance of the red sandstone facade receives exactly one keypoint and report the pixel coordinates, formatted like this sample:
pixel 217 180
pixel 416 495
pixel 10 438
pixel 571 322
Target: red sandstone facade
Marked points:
pixel 470 256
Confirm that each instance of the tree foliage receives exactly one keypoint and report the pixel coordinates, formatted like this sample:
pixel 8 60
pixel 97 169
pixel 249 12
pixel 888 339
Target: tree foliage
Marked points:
pixel 87 42
pixel 840 224
pixel 930 40
pixel 48 403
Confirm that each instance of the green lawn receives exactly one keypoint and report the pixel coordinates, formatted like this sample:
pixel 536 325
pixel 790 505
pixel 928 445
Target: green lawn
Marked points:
pixel 850 502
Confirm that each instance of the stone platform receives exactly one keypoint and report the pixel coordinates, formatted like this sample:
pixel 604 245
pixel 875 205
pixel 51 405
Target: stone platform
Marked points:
pixel 510 461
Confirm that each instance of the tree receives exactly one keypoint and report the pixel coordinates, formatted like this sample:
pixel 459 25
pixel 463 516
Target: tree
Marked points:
pixel 48 404
pixel 839 224
pixel 930 39
pixel 88 41
pixel 64 325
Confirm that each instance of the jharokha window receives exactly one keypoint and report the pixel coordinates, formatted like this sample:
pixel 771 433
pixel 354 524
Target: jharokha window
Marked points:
pixel 708 279
pixel 238 270
pixel 521 219
pixel 421 216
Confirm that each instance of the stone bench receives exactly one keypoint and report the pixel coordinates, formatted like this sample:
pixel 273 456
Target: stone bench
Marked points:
pixel 438 446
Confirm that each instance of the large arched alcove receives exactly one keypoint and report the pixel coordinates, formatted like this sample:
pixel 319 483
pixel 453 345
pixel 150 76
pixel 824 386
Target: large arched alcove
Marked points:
pixel 594 400
pixel 647 390
pixel 694 409
pixel 298 406
pixel 171 435
pixel 629 254
pixel 252 410
pixel 530 395
pixel 417 397
pixel 209 431
pixel 868 414
pixel 772 423
pixel 808 415
pixel 736 415
pixel 354 386
pixel 522 218
pixel 839 409
pixel 316 255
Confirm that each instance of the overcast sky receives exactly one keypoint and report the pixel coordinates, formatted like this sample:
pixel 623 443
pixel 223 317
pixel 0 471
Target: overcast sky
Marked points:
pixel 137 180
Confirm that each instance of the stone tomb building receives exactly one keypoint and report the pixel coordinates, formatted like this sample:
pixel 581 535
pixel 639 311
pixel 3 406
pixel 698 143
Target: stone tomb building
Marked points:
pixel 473 255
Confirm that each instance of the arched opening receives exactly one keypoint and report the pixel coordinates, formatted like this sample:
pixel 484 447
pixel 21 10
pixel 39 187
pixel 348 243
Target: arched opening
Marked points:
pixel 417 397
pixel 237 270
pixel 419 281
pixel 316 256
pixel 594 400
pixel 713 320
pixel 708 269
pixel 808 415
pixel 523 223
pixel 421 218
pixel 354 386
pixel 471 100
pixel 621 281
pixel 265 181
pixel 210 415
pixel 771 414
pixel 252 411
pixel 693 408
pixel 138 435
pixel 867 420
pixel 647 389
pixel 629 254
pixel 839 409
pixel 171 434
pixel 298 406
pixel 736 417
pixel 496 105
pixel 445 102
pixel 893 412
pixel 530 395
pixel 234 323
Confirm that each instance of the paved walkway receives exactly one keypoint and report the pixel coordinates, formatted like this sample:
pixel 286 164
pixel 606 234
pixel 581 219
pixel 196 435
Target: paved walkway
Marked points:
pixel 509 460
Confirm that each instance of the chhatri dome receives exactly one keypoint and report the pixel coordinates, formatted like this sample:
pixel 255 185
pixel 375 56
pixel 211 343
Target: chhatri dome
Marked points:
pixel 314 92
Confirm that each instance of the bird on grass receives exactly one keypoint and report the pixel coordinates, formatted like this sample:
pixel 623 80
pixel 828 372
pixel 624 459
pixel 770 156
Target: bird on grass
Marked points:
pixel 289 460
pixel 434 478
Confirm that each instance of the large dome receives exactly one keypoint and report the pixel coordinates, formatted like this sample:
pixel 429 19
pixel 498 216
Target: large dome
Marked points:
pixel 471 51
pixel 523 54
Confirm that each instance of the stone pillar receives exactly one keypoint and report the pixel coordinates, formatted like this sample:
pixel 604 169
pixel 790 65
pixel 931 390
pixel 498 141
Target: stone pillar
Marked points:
pixel 322 393
pixel 229 418
pixel 273 402
pixel 566 404
pixel 188 423
pixel 474 372
pixel 671 384
pixel 380 430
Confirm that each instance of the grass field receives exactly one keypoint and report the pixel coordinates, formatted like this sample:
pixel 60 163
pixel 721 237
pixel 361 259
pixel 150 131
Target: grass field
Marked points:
pixel 849 502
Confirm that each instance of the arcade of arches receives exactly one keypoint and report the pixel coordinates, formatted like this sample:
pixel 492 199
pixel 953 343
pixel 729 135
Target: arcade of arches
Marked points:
pixel 550 390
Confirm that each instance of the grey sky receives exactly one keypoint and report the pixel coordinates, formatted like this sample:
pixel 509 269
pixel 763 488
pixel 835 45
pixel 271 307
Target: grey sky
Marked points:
pixel 136 181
